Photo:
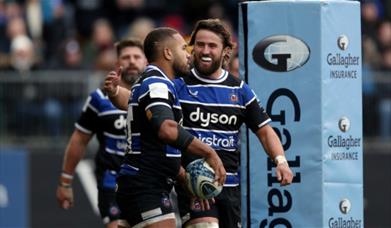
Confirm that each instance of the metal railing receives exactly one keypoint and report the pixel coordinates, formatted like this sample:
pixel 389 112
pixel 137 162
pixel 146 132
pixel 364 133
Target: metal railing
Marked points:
pixel 38 110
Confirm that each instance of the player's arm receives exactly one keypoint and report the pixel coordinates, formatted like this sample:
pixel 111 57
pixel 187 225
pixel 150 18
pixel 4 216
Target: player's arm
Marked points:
pixel 272 145
pixel 170 132
pixel 118 95
pixel 74 152
pixel 256 119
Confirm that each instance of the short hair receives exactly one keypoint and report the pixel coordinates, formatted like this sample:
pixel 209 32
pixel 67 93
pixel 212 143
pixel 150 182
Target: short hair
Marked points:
pixel 154 39
pixel 216 26
pixel 131 42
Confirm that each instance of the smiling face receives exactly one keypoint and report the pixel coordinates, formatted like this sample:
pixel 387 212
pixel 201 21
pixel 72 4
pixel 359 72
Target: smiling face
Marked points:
pixel 208 53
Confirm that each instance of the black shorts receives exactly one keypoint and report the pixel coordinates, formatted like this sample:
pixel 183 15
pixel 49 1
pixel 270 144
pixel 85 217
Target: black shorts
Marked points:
pixel 107 205
pixel 143 207
pixel 227 207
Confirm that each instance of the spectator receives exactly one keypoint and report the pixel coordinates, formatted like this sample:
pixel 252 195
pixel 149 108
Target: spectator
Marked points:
pixel 22 54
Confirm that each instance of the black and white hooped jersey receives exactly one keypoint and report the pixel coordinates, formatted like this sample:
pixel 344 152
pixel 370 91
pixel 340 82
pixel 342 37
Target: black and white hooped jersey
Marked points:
pixel 214 111
pixel 99 116
pixel 148 156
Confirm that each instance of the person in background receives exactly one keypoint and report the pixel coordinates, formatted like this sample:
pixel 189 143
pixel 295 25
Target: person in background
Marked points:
pixel 100 117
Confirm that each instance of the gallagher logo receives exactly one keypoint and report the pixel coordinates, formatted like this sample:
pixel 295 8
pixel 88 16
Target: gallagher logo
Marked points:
pixel 281 53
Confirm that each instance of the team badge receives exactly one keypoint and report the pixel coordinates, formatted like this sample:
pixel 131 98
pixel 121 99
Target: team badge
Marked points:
pixel 195 205
pixel 234 98
pixel 114 210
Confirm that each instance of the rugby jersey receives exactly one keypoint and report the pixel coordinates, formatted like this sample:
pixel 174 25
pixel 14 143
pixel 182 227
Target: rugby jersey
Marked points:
pixel 148 156
pixel 99 116
pixel 214 111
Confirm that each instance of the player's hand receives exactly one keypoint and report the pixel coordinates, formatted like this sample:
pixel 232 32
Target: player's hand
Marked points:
pixel 64 197
pixel 284 174
pixel 217 165
pixel 111 82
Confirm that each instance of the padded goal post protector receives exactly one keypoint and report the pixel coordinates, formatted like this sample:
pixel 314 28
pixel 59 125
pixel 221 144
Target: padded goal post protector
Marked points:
pixel 303 60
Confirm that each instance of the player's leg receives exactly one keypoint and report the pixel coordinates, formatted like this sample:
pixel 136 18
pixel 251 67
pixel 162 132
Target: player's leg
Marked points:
pixel 108 207
pixel 145 208
pixel 228 204
pixel 191 213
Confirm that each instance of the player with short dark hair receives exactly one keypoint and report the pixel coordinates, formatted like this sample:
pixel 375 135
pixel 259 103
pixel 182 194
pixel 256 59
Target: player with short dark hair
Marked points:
pixel 101 118
pixel 156 136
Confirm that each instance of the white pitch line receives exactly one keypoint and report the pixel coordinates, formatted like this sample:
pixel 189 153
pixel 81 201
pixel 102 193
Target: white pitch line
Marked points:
pixel 87 178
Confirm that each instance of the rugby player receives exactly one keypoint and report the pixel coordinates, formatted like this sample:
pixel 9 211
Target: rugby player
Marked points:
pixel 101 118
pixel 215 104
pixel 156 138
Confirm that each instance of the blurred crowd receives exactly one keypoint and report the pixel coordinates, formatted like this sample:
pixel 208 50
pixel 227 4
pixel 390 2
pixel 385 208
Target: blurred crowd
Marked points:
pixel 79 34
pixel 376 46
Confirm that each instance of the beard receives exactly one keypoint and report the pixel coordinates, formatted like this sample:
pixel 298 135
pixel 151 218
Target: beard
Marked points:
pixel 180 69
pixel 215 65
pixel 130 78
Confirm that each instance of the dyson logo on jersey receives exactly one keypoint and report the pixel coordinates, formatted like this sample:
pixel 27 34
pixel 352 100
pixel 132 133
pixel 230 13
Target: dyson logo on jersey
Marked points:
pixel 217 143
pixel 120 122
pixel 208 118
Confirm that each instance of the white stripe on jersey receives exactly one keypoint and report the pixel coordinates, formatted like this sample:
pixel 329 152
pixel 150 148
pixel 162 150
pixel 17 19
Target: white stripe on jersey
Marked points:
pixel 110 151
pixel 93 108
pixel 86 103
pixel 174 155
pixel 210 130
pixel 136 134
pixel 177 107
pixel 157 104
pixel 111 112
pixel 114 136
pixel 264 123
pixel 251 101
pixel 212 104
pixel 152 67
pixel 99 92
pixel 82 129
pixel 223 76
pixel 133 152
pixel 214 86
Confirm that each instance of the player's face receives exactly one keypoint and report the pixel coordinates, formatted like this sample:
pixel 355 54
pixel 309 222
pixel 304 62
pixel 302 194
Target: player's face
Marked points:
pixel 208 52
pixel 181 63
pixel 133 61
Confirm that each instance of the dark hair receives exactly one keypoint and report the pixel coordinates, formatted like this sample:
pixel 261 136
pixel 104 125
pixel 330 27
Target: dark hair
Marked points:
pixel 152 42
pixel 119 46
pixel 216 26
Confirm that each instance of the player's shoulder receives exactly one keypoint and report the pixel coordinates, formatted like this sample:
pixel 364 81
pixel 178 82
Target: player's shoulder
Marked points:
pixel 98 95
pixel 234 81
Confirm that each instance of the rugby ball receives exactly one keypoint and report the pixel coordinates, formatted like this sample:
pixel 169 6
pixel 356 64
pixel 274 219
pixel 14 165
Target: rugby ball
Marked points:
pixel 200 180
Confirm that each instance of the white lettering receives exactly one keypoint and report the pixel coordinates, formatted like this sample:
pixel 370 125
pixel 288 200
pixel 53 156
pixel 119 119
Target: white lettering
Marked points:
pixel 214 118
pixel 120 122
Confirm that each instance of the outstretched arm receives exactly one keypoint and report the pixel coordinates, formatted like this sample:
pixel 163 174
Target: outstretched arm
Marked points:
pixel 272 145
